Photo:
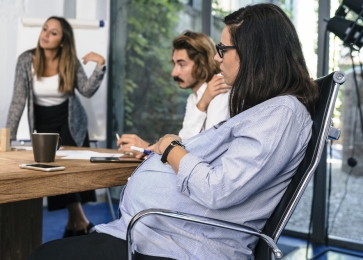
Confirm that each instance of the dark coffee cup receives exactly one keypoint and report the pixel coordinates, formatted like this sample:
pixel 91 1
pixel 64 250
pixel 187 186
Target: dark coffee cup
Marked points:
pixel 45 146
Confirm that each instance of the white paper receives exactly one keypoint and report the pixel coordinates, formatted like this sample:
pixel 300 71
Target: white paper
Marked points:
pixel 25 147
pixel 19 148
pixel 84 154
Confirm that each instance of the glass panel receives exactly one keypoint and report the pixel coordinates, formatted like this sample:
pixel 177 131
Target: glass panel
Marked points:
pixel 223 7
pixel 307 31
pixel 346 199
pixel 154 105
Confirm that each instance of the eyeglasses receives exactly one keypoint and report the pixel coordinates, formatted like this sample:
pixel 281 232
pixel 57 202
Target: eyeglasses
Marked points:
pixel 220 49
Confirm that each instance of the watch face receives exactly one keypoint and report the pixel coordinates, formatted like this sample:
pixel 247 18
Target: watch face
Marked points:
pixel 176 142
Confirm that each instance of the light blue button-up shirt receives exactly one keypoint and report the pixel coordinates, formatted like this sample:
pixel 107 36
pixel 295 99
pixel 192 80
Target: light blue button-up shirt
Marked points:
pixel 235 172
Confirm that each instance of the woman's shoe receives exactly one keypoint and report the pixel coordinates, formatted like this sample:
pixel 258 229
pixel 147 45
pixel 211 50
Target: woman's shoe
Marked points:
pixel 89 229
pixel 69 233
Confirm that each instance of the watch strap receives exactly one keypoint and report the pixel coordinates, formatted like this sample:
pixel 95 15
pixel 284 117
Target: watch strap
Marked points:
pixel 174 143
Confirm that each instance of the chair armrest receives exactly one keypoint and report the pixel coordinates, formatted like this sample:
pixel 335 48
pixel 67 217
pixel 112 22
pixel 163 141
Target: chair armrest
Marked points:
pixel 197 219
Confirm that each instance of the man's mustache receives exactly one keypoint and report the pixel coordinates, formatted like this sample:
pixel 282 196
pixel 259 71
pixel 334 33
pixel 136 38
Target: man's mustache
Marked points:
pixel 178 79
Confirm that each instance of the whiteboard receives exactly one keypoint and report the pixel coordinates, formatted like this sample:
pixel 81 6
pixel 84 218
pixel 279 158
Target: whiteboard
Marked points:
pixel 87 40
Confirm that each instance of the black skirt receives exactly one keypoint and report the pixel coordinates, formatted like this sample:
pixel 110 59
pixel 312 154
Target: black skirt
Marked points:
pixel 54 119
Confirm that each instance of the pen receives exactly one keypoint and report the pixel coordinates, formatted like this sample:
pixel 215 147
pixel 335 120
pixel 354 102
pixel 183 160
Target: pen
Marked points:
pixel 141 150
pixel 118 137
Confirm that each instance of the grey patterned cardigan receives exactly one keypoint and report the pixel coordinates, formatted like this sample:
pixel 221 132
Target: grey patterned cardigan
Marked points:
pixel 23 91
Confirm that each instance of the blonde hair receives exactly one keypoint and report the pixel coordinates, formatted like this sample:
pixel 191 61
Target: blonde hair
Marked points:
pixel 67 58
pixel 201 49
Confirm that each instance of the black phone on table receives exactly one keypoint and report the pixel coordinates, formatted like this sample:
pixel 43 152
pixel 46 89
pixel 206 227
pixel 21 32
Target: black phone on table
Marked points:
pixel 115 159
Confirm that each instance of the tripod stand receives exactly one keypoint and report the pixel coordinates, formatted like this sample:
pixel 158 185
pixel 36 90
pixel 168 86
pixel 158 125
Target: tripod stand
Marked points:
pixel 351 33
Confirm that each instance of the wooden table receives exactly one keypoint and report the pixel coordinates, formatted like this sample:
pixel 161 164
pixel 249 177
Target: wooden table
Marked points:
pixel 21 193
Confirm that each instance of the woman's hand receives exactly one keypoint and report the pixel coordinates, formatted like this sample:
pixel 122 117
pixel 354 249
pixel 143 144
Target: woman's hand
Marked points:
pixel 175 155
pixel 92 56
pixel 164 142
pixel 142 155
pixel 160 146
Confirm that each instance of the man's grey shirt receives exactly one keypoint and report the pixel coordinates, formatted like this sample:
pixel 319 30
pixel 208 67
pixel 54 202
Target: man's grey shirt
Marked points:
pixel 235 172
pixel 23 92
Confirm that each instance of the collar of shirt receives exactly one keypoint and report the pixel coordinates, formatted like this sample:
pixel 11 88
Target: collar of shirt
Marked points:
pixel 201 91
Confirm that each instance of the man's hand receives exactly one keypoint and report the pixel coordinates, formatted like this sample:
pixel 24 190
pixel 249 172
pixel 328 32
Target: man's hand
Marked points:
pixel 128 140
pixel 215 87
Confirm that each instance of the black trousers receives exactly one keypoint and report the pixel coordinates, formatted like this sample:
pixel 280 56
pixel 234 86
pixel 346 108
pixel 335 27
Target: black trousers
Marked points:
pixel 54 119
pixel 95 246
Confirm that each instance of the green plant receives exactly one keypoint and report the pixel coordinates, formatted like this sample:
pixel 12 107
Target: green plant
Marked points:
pixel 152 99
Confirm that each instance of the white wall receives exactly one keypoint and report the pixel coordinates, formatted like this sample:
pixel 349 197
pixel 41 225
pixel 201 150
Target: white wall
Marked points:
pixel 11 12
pixel 305 20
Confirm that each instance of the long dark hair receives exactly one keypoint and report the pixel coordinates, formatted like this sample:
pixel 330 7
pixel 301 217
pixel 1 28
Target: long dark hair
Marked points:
pixel 271 60
pixel 67 55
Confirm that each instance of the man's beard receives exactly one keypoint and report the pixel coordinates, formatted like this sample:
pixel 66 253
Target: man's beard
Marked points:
pixel 177 79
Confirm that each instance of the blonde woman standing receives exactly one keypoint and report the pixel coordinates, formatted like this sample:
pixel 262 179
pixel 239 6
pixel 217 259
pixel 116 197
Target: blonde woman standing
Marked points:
pixel 46 78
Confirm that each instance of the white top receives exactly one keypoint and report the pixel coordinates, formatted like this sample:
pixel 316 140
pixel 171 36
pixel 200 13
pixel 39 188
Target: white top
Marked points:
pixel 46 91
pixel 196 121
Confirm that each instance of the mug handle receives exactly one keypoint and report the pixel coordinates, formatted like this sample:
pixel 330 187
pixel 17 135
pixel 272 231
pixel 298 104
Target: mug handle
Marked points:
pixel 59 142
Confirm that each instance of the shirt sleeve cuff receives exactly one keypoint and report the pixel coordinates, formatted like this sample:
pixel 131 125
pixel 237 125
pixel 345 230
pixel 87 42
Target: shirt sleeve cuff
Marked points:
pixel 200 113
pixel 192 124
pixel 186 166
pixel 102 67
pixel 197 117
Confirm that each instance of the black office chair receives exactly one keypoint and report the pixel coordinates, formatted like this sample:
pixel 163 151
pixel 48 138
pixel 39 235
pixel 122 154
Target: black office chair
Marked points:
pixel 321 131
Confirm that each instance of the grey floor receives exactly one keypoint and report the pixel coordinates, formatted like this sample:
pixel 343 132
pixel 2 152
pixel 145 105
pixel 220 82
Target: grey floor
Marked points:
pixel 345 208
pixel 345 212
pixel 300 253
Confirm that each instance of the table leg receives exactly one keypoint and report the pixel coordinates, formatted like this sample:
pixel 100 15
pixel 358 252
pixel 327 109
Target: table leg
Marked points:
pixel 20 228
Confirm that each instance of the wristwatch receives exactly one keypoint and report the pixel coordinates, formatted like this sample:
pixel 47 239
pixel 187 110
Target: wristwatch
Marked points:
pixel 168 149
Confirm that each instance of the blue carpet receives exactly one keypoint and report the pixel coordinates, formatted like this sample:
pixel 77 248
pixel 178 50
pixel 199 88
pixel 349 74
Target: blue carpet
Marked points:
pixel 286 249
pixel 54 221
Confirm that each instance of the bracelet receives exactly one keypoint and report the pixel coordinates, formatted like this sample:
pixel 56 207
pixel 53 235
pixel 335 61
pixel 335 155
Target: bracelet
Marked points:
pixel 168 149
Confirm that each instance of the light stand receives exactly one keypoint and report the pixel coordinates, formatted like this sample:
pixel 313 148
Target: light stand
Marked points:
pixel 351 33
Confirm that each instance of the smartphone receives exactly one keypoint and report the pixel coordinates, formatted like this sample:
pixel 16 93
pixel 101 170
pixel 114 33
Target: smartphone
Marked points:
pixel 115 159
pixel 42 167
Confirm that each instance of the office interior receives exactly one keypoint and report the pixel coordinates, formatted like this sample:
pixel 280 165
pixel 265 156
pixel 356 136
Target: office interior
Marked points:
pixel 139 95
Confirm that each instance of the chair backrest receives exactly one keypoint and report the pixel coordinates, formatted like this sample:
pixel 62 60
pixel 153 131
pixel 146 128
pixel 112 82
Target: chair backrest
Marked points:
pixel 328 86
